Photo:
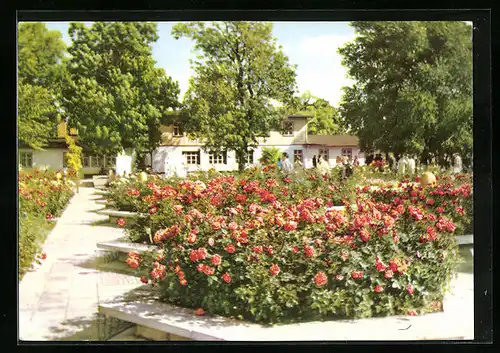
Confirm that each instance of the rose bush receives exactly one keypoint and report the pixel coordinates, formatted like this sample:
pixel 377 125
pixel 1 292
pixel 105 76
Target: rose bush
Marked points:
pixel 42 197
pixel 261 248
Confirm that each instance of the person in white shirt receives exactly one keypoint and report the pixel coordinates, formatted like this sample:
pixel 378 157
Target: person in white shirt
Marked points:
pixel 286 165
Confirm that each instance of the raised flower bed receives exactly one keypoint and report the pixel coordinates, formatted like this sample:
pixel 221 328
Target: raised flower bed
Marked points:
pixel 42 197
pixel 254 248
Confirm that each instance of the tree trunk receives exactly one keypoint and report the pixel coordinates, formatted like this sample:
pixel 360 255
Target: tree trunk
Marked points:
pixel 151 156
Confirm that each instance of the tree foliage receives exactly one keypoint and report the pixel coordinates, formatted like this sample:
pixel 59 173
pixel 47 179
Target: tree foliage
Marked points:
pixel 413 90
pixel 238 72
pixel 325 118
pixel 40 73
pixel 74 155
pixel 35 123
pixel 115 96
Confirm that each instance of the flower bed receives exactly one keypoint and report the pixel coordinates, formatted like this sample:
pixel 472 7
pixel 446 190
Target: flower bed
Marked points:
pixel 155 196
pixel 42 197
pixel 257 248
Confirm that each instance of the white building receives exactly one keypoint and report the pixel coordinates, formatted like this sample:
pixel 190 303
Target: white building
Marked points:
pixel 181 152
pixel 177 151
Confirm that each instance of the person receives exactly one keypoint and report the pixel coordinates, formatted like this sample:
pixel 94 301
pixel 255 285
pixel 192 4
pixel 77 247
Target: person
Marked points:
pixel 411 166
pixel 369 159
pixel 286 165
pixel 457 164
pixel 323 166
pixel 279 164
pixel 315 161
pixel 356 161
pixel 391 161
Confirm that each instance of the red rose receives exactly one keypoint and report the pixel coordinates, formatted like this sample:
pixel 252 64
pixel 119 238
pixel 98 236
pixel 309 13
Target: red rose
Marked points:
pixel 309 251
pixel 193 255
pixel 320 279
pixel 378 289
pixel 153 210
pixel 388 274
pixel 202 253
pixel 287 180
pixel 364 235
pixel 199 312
pixel 48 216
pixel 200 267
pixel 181 275
pixel 380 266
pixel 44 256
pixel 290 226
pixel 208 270
pixel 226 277
pixel 231 248
pixel 393 266
pixel 216 260
pixel 295 249
pixel 258 249
pixel 183 282
pixel 356 274
pixel 191 238
pixel 274 270
pixel 410 289
pixel 144 279
pixel 232 226
pixel 121 222
pixel 412 313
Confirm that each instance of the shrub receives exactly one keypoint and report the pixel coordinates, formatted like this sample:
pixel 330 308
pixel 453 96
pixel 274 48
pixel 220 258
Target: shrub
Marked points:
pixel 42 196
pixel 249 248
pixel 32 233
pixel 270 155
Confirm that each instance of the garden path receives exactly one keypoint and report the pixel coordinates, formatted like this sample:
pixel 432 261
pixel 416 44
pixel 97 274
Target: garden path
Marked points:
pixel 59 299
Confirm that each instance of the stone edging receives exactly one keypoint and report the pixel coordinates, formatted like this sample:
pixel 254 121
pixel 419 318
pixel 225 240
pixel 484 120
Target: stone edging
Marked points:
pixel 144 309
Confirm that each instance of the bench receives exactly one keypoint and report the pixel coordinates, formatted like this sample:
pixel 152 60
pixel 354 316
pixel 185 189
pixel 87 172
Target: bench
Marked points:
pixel 160 321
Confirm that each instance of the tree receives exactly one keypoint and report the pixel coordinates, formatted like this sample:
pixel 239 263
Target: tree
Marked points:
pixel 40 55
pixel 413 90
pixel 270 155
pixel 40 73
pixel 325 118
pixel 74 159
pixel 238 72
pixel 35 115
pixel 115 96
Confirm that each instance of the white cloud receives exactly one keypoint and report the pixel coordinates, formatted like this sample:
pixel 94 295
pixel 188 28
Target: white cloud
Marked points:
pixel 319 66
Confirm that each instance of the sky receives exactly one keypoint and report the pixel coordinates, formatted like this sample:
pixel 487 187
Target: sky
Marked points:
pixel 312 46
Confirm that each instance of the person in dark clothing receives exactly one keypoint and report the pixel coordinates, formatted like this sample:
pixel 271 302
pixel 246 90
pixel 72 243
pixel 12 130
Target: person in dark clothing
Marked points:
pixel 378 157
pixel 369 159
pixel 315 161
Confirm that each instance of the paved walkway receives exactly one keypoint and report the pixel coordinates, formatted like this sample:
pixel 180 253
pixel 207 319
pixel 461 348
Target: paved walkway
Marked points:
pixel 58 300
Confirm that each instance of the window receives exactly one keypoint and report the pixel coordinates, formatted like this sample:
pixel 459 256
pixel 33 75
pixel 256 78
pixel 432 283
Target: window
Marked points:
pixel 86 161
pixel 110 161
pixel 323 154
pixel 287 128
pixel 96 161
pixel 26 159
pixel 297 155
pixel 191 157
pixel 220 158
pixel 250 157
pixel 177 132
pixel 347 152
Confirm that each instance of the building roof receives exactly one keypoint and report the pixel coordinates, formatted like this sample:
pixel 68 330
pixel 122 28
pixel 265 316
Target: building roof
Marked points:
pixel 333 140
pixel 299 116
